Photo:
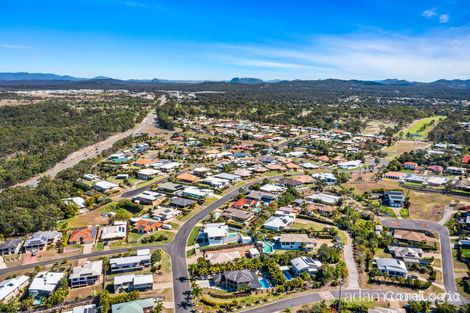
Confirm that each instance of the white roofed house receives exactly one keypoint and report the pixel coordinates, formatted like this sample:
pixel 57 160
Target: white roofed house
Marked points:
pixel 216 233
pixel 328 178
pixel 272 188
pixel 324 198
pixel 164 213
pixel 392 267
pixel 131 282
pixel 87 274
pixel 114 232
pixel 147 173
pixel 10 288
pixel 130 263
pixel 296 242
pixel 350 164
pixel 40 239
pixel 194 193
pixel 305 264
pixel 148 197
pixel 229 177
pixel 215 182
pixel 44 283
pixel 103 186
pixel 279 221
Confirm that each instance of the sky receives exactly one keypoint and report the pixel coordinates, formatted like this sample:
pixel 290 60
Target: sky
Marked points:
pixel 420 40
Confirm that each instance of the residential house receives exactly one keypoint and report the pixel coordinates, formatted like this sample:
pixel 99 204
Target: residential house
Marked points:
pixel 392 267
pixel 215 233
pixel 146 226
pixel 114 232
pixel 90 177
pixel 305 179
pixel 279 221
pixel 78 201
pixel 245 203
pixel 132 282
pixel 44 283
pixel 395 175
pixel 322 209
pixel 254 253
pixel 149 198
pixel 437 169
pixel 410 165
pixel 147 174
pixel 179 202
pixel 435 181
pixel 136 306
pixel 130 263
pixel 417 179
pixel 103 186
pixel 271 188
pixel 40 239
pixel 194 193
pixel 87 308
pixel 144 162
pixel 85 235
pixel 236 280
pixel 10 246
pixel 164 214
pixel 407 254
pixel 409 236
pixel 328 178
pixel 87 274
pixel 296 242
pixel 222 257
pixel 264 197
pixel 463 185
pixel 169 188
pixel 305 264
pixel 10 288
pixel 350 164
pixel 237 215
pixel 288 182
pixel 458 171
pixel 324 198
pixel 394 199
pixel 187 178
pixel 215 182
pixel 466 159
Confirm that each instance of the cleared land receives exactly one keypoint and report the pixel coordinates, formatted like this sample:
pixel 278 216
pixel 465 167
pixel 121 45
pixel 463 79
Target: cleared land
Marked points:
pixel 420 129
pixel 375 127
pixel 403 146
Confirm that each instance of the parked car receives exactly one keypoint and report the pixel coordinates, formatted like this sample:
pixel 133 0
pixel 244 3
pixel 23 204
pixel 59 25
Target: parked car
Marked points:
pixel 167 226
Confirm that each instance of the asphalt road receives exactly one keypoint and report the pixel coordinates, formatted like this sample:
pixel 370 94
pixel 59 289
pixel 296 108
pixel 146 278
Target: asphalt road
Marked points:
pixel 446 249
pixel 177 250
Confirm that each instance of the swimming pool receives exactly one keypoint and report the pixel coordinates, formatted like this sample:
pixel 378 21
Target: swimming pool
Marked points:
pixel 268 247
pixel 265 283
pixel 287 275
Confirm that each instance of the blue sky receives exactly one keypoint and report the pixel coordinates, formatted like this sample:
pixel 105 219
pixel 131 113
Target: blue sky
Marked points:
pixel 363 39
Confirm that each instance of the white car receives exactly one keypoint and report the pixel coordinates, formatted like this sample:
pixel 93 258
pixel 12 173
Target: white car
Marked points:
pixel 167 226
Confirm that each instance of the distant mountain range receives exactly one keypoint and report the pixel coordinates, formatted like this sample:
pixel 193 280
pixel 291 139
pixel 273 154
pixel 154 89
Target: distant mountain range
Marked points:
pixel 9 78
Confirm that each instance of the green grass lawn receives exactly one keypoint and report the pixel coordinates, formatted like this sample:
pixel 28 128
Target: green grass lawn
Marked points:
pixel 404 213
pixel 465 253
pixel 388 211
pixel 100 246
pixel 193 236
pixel 416 126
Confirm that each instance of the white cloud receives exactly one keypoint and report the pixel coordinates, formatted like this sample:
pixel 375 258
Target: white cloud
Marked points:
pixel 368 56
pixel 444 18
pixel 430 13
pixel 12 46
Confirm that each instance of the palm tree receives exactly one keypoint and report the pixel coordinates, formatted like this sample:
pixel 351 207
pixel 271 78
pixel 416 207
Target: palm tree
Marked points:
pixel 158 308
pixel 196 290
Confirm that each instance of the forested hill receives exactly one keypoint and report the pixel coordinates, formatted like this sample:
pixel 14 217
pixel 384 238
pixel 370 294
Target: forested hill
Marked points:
pixel 34 137
pixel 449 89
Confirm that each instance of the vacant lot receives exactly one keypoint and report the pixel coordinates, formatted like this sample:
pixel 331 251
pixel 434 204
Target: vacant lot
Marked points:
pixel 403 146
pixel 375 127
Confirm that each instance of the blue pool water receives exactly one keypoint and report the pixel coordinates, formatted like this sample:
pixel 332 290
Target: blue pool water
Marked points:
pixel 265 283
pixel 287 275
pixel 268 247
pixel 232 235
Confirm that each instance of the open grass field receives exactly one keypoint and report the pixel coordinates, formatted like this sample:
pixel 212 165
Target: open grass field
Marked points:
pixel 375 127
pixel 403 146
pixel 424 205
pixel 416 128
